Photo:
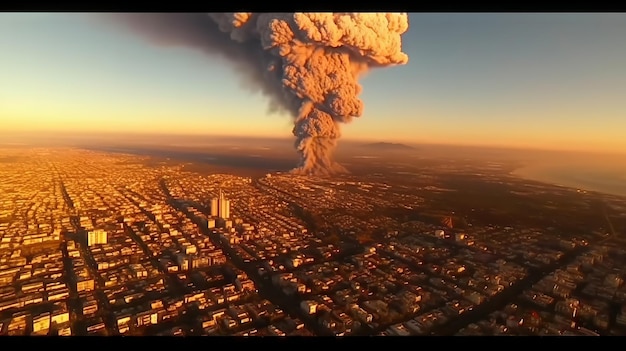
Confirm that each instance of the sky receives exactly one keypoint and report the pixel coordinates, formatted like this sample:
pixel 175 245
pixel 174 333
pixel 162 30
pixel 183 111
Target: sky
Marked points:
pixel 554 81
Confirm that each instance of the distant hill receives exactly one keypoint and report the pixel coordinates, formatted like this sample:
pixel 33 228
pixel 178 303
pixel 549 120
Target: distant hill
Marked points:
pixel 385 146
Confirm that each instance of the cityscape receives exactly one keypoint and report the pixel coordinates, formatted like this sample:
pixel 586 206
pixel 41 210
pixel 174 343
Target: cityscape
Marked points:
pixel 332 175
pixel 129 246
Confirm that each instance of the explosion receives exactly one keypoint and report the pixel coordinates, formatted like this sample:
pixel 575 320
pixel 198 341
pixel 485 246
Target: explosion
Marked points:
pixel 308 64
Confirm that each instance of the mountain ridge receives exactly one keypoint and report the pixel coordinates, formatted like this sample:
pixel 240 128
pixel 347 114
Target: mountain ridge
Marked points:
pixel 383 145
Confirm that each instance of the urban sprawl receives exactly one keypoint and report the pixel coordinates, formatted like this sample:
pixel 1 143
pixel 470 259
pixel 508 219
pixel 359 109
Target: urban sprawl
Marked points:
pixel 104 244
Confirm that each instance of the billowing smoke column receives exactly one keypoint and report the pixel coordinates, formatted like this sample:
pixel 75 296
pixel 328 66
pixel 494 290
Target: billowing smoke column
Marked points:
pixel 306 63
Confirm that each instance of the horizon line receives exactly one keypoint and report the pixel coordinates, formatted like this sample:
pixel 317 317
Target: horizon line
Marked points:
pixel 109 133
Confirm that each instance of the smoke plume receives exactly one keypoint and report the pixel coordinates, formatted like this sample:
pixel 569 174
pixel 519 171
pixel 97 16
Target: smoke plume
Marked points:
pixel 307 64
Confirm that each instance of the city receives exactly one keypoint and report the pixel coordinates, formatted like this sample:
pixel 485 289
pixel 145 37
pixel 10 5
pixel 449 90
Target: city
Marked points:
pixel 95 243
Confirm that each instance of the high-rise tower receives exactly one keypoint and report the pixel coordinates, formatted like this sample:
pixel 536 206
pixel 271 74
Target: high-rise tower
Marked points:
pixel 220 206
pixel 214 205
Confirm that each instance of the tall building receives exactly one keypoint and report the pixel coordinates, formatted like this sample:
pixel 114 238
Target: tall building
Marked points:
pixel 220 207
pixel 214 205
pixel 225 212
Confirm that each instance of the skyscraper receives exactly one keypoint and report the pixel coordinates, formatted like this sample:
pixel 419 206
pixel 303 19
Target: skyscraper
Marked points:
pixel 225 213
pixel 220 207
pixel 214 204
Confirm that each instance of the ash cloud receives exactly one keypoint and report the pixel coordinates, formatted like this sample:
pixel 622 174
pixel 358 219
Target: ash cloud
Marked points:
pixel 307 64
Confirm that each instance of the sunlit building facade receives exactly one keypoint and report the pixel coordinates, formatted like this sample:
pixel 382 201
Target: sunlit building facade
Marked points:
pixel 220 206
